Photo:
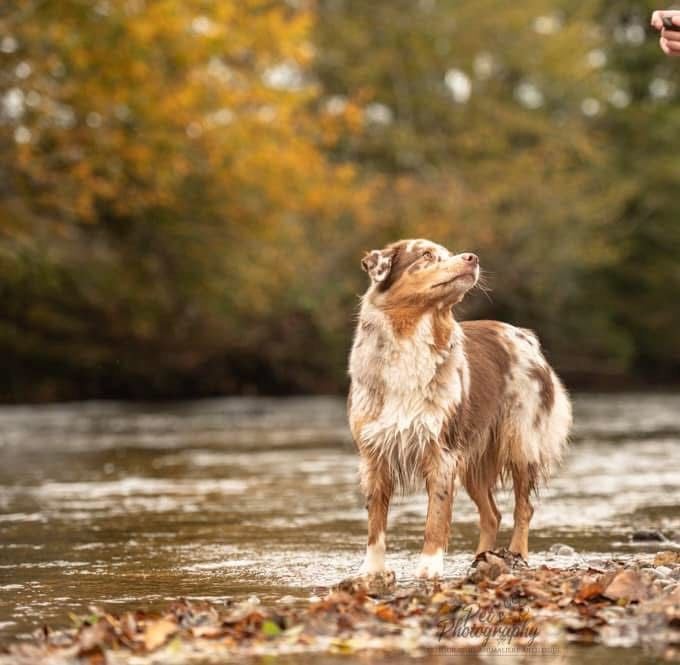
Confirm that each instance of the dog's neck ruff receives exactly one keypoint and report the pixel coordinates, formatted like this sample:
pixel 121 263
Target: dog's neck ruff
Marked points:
pixel 406 388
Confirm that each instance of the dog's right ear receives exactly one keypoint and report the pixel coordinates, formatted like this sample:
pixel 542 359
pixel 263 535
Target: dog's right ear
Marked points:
pixel 378 264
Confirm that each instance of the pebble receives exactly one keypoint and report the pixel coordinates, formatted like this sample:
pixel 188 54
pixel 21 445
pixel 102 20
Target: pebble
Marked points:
pixel 660 573
pixel 562 550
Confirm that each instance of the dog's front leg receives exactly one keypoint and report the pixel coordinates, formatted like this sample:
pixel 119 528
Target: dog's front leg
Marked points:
pixel 440 484
pixel 377 485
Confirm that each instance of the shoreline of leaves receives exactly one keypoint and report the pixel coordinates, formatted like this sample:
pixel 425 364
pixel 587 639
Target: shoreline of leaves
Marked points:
pixel 496 606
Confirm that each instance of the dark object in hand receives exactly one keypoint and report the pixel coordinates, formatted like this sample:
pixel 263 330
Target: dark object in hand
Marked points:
pixel 669 25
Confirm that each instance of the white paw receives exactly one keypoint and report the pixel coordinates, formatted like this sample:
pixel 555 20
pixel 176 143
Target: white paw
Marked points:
pixel 374 562
pixel 430 565
pixel 370 566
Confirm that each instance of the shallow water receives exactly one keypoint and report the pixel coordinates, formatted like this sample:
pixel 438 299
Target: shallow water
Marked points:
pixel 120 506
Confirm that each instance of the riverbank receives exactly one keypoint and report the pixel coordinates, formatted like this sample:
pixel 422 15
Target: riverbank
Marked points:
pixel 497 608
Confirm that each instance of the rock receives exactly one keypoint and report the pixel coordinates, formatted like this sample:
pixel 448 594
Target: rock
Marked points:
pixel 662 571
pixel 647 536
pixel 372 584
pixel 627 585
pixel 562 550
pixel 594 565
pixel 488 565
pixel 511 559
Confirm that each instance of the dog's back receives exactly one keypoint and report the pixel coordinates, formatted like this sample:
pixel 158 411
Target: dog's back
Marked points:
pixel 518 414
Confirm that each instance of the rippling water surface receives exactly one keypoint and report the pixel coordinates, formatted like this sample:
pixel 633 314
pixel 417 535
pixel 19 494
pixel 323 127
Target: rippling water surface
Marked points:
pixel 119 506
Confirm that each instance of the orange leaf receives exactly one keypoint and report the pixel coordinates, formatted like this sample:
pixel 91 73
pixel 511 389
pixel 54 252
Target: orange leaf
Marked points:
pixel 158 632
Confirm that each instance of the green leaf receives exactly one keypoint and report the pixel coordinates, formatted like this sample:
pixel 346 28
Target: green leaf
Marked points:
pixel 270 629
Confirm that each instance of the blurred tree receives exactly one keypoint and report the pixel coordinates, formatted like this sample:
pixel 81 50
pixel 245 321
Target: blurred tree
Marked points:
pixel 162 180
pixel 496 123
pixel 644 86
pixel 186 187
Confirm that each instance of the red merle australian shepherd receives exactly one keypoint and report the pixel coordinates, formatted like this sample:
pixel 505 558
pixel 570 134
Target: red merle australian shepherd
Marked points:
pixel 445 402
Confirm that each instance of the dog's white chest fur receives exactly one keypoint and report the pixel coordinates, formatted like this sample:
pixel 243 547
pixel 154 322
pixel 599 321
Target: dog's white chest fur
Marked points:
pixel 403 390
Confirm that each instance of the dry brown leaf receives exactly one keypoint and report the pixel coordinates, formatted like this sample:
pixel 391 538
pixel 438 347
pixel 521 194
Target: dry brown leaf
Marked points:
pixel 386 613
pixel 91 637
pixel 208 631
pixel 666 557
pixel 535 591
pixel 128 625
pixel 158 632
pixel 590 588
pixel 94 656
pixel 674 597
pixel 627 585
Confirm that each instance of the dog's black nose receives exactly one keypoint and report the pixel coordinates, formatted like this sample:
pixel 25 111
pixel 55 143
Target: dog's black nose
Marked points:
pixel 470 258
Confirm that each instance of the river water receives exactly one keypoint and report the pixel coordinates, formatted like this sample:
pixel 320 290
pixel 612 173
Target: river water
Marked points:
pixel 119 506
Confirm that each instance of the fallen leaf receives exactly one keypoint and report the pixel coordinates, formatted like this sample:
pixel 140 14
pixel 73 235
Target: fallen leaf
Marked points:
pixel 591 588
pixel 270 629
pixel 535 591
pixel 386 613
pixel 92 637
pixel 294 632
pixel 207 631
pixel 627 585
pixel 94 656
pixel 666 557
pixel 128 625
pixel 158 632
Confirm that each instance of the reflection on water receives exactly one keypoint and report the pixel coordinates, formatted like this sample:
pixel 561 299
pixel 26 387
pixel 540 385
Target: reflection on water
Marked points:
pixel 121 505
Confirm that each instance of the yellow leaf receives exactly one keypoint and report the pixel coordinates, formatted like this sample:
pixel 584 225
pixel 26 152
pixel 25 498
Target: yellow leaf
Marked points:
pixel 158 632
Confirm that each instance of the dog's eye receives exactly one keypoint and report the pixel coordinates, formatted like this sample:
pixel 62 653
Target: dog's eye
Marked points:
pixel 428 255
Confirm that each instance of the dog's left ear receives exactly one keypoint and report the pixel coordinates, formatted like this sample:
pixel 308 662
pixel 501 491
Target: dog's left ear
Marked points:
pixel 377 264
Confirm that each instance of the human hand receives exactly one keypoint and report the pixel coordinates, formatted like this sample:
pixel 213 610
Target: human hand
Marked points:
pixel 670 37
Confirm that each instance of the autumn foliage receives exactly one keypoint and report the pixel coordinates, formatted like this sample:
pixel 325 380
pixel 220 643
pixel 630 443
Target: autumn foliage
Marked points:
pixel 186 188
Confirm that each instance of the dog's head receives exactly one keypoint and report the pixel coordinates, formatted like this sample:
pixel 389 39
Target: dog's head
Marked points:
pixel 420 273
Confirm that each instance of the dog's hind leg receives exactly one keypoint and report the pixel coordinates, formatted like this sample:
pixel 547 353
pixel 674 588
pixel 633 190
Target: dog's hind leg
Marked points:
pixel 494 507
pixel 489 516
pixel 523 482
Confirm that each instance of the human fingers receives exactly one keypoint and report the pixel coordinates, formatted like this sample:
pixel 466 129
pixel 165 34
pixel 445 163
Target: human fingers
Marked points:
pixel 669 48
pixel 671 35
